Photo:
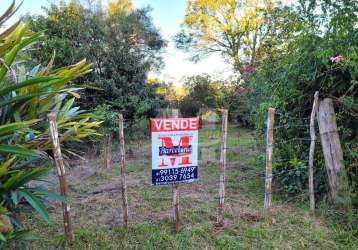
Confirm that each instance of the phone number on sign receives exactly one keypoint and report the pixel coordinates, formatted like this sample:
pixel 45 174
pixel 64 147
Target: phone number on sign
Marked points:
pixel 175 175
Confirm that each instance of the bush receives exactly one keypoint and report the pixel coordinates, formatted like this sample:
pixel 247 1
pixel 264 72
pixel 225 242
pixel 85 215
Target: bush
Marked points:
pixel 321 55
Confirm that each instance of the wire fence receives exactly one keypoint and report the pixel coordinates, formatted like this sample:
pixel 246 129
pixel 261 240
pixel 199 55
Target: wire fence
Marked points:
pixel 246 176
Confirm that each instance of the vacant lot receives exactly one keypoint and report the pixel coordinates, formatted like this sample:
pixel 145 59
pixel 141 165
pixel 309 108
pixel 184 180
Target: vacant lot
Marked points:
pixel 96 206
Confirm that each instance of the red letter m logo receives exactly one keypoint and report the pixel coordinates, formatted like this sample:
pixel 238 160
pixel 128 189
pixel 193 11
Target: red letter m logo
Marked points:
pixel 182 150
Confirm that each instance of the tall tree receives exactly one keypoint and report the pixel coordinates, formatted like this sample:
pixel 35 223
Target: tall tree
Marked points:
pixel 234 28
pixel 121 42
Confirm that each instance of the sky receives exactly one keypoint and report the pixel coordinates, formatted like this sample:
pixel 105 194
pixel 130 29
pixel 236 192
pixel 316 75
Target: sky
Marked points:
pixel 167 16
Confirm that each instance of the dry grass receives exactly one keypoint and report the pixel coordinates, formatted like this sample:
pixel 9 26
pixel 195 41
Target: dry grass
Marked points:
pixel 96 209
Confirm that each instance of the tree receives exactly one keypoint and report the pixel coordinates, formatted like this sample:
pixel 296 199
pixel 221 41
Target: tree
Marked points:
pixel 234 28
pixel 122 45
pixel 203 93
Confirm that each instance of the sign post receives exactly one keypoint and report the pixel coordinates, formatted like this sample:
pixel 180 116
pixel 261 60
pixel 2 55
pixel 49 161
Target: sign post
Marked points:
pixel 174 155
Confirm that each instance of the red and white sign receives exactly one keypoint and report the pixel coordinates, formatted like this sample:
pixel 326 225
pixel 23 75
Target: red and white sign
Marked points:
pixel 174 124
pixel 174 150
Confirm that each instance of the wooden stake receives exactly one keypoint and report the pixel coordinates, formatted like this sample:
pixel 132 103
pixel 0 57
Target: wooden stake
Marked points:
pixel 107 151
pixel 56 149
pixel 175 192
pixel 331 145
pixel 311 153
pixel 220 216
pixel 269 151
pixel 123 171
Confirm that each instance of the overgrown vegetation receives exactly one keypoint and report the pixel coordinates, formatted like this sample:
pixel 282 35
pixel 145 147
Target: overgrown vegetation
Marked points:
pixel 280 55
pixel 321 55
pixel 27 96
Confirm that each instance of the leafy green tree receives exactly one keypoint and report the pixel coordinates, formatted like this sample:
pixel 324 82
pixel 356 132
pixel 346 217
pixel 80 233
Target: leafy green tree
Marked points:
pixel 123 45
pixel 203 93
pixel 234 28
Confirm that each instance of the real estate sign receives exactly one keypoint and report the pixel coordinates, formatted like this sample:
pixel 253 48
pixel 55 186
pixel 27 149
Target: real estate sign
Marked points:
pixel 174 150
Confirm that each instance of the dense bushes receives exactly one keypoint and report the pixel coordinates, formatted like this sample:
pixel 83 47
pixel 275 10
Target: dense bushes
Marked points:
pixel 321 55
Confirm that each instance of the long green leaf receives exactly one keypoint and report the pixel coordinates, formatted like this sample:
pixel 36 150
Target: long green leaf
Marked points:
pixel 21 98
pixel 48 193
pixel 17 150
pixel 36 204
pixel 23 177
pixel 26 83
pixel 15 127
pixel 2 238
pixel 10 56
pixel 24 235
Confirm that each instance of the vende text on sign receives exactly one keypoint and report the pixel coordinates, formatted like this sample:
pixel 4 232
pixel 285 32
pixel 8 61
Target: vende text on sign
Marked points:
pixel 174 150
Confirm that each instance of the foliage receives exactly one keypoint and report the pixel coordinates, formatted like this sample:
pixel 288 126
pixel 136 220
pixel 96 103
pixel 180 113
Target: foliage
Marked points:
pixel 26 98
pixel 170 93
pixel 123 45
pixel 236 29
pixel 203 93
pixel 116 6
pixel 321 55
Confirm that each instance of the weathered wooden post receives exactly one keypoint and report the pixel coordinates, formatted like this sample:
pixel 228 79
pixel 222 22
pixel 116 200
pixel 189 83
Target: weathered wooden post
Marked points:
pixel 220 216
pixel 61 176
pixel 104 150
pixel 311 153
pixel 269 151
pixel 123 170
pixel 331 145
pixel 175 192
pixel 107 150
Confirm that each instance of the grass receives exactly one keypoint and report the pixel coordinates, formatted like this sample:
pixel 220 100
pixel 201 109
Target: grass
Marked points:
pixel 96 209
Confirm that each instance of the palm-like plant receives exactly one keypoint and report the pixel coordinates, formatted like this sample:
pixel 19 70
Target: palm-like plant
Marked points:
pixel 25 100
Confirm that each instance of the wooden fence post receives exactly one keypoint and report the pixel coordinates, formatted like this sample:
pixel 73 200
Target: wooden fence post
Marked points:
pixel 311 153
pixel 56 149
pixel 105 148
pixel 220 216
pixel 331 145
pixel 175 191
pixel 123 170
pixel 269 151
pixel 107 151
